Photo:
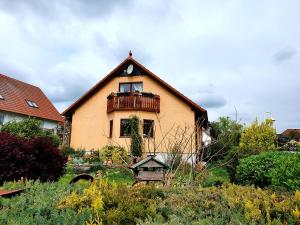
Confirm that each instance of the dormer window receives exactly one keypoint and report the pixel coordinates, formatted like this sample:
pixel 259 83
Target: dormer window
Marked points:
pixel 131 87
pixel 32 104
pixel 1 97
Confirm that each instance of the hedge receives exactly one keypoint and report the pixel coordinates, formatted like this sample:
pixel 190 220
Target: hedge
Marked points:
pixel 277 169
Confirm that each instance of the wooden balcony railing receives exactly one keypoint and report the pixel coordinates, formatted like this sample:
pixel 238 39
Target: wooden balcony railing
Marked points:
pixel 133 101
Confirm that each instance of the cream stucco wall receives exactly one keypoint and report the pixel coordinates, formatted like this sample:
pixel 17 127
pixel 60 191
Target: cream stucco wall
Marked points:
pixel 90 122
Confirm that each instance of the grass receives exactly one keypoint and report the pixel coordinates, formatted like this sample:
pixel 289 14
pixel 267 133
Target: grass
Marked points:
pixel 216 177
pixel 119 175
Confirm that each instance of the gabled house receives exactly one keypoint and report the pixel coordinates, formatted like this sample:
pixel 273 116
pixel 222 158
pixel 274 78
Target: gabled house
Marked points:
pixel 19 100
pixel 293 134
pixel 102 115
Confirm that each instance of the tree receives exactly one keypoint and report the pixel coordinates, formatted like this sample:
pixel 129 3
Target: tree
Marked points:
pixel 29 128
pixel 259 137
pixel 136 139
pixel 226 133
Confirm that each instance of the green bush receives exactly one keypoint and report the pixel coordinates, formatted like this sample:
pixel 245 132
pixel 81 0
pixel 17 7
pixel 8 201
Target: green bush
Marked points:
pixel 109 203
pixel 226 133
pixel 67 151
pixel 29 128
pixel 136 139
pixel 38 206
pixel 277 169
pixel 258 138
pixel 117 155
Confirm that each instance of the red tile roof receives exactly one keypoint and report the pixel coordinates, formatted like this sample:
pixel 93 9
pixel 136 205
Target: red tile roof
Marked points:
pixel 292 133
pixel 15 94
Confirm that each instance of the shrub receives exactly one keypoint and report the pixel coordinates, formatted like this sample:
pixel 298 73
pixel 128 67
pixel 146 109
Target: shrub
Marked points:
pixel 226 133
pixel 136 139
pixel 36 158
pixel 38 206
pixel 118 155
pixel 67 151
pixel 278 169
pixel 29 128
pixel 259 137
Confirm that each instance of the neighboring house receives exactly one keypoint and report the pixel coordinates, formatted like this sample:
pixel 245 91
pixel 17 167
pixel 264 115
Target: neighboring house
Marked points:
pixel 293 134
pixel 19 100
pixel 102 115
pixel 206 137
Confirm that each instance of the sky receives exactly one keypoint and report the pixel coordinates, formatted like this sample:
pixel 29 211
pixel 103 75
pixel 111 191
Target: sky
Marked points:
pixel 235 58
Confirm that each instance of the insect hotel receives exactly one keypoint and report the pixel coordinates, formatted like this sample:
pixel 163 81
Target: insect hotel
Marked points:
pixel 149 169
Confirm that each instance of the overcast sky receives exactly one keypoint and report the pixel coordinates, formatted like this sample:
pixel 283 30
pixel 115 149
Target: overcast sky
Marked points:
pixel 225 55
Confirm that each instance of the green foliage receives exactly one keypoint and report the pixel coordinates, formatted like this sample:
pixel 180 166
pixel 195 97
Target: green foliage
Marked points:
pixel 79 153
pixel 136 139
pixel 277 169
pixel 119 176
pixel 259 137
pixel 67 151
pixel 38 206
pixel 110 203
pixel 117 155
pixel 227 133
pixel 216 177
pixel 29 128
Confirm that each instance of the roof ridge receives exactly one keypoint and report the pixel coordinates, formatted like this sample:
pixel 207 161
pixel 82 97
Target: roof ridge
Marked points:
pixel 155 77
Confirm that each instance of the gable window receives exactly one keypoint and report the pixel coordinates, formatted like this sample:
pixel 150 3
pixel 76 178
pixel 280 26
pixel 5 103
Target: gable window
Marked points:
pixel 131 87
pixel 32 104
pixel 1 119
pixel 1 97
pixel 148 128
pixel 111 125
pixel 125 128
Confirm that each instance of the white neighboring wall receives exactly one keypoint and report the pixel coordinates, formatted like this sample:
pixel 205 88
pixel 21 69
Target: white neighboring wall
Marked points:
pixel 206 138
pixel 6 117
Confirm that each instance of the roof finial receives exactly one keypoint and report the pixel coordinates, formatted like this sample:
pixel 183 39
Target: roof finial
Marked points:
pixel 130 53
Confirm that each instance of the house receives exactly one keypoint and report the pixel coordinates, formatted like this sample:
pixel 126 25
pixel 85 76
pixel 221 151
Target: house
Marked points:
pixel 19 100
pixel 102 115
pixel 293 134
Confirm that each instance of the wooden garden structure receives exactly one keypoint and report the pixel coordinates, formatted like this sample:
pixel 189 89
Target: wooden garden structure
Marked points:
pixel 150 169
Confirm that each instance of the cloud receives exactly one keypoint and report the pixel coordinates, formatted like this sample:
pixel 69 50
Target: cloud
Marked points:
pixel 217 54
pixel 211 101
pixel 284 55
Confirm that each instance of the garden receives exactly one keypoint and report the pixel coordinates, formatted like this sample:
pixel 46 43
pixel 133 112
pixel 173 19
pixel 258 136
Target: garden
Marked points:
pixel 250 177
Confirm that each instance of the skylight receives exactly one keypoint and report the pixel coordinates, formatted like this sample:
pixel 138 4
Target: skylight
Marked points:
pixel 32 104
pixel 1 97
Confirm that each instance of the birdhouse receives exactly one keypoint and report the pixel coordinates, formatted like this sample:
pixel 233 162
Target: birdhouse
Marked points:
pixel 150 169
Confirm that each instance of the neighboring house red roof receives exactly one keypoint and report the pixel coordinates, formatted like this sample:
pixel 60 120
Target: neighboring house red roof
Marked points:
pixel 15 94
pixel 292 133
pixel 112 74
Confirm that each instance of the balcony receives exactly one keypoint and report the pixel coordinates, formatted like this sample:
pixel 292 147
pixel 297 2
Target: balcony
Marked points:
pixel 133 101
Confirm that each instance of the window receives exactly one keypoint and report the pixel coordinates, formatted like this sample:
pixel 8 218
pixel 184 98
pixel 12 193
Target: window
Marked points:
pixel 111 125
pixel 148 127
pixel 125 128
pixel 131 87
pixel 1 119
pixel 1 97
pixel 32 104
